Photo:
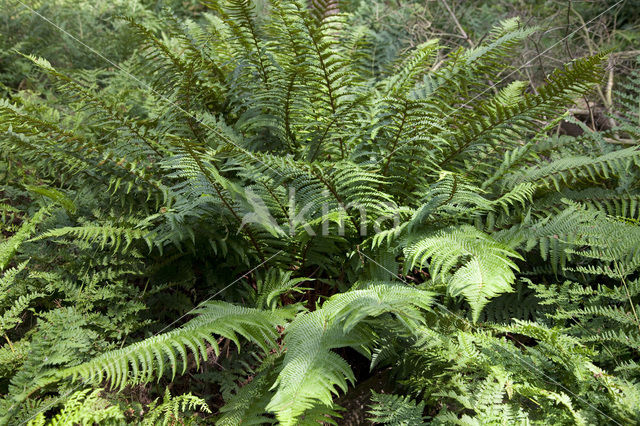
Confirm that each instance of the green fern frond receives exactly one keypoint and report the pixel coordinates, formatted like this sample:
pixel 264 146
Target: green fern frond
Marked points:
pixel 411 68
pixel 83 407
pixel 376 298
pixel 483 266
pixel 312 373
pixel 169 411
pixel 142 361
pixel 9 247
pixel 396 410
pixel 112 237
pixel 273 284
pixel 566 171
pixel 248 405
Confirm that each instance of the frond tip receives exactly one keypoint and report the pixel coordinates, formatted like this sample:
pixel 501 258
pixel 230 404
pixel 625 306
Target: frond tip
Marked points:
pixel 483 268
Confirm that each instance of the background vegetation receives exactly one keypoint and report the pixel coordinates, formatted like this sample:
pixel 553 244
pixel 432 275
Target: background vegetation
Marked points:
pixel 254 212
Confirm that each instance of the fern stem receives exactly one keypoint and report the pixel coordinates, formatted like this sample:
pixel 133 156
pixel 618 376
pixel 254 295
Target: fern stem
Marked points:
pixel 626 289
pixel 9 342
pixel 396 139
pixel 336 196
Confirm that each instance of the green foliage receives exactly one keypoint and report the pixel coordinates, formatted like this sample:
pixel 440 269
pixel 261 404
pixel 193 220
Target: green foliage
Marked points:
pixel 9 246
pixel 486 272
pixel 168 411
pixel 396 410
pixel 89 407
pixel 146 359
pixel 93 23
pixel 265 175
pixel 83 407
pixel 311 371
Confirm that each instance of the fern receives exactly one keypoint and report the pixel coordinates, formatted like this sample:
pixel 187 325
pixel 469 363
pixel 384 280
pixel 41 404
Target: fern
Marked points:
pixel 248 404
pixel 311 372
pixel 107 236
pixel 168 411
pixel 487 270
pixel 84 407
pixel 9 247
pixel 338 196
pixel 147 359
pixel 396 410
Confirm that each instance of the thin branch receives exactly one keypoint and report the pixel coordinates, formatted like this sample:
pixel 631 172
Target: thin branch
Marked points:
pixel 455 20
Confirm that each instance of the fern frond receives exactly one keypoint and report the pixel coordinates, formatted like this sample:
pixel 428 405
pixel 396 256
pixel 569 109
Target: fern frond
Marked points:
pixel 168 412
pixel 273 284
pixel 311 371
pixel 411 68
pixel 566 171
pixel 486 269
pixel 9 247
pixel 142 361
pixel 248 404
pixel 396 410
pixel 82 407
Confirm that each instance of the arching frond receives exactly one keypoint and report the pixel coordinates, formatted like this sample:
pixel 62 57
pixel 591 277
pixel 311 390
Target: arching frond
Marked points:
pixel 312 373
pixel 142 361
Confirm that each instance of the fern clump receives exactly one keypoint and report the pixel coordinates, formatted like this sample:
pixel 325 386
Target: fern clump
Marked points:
pixel 262 176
